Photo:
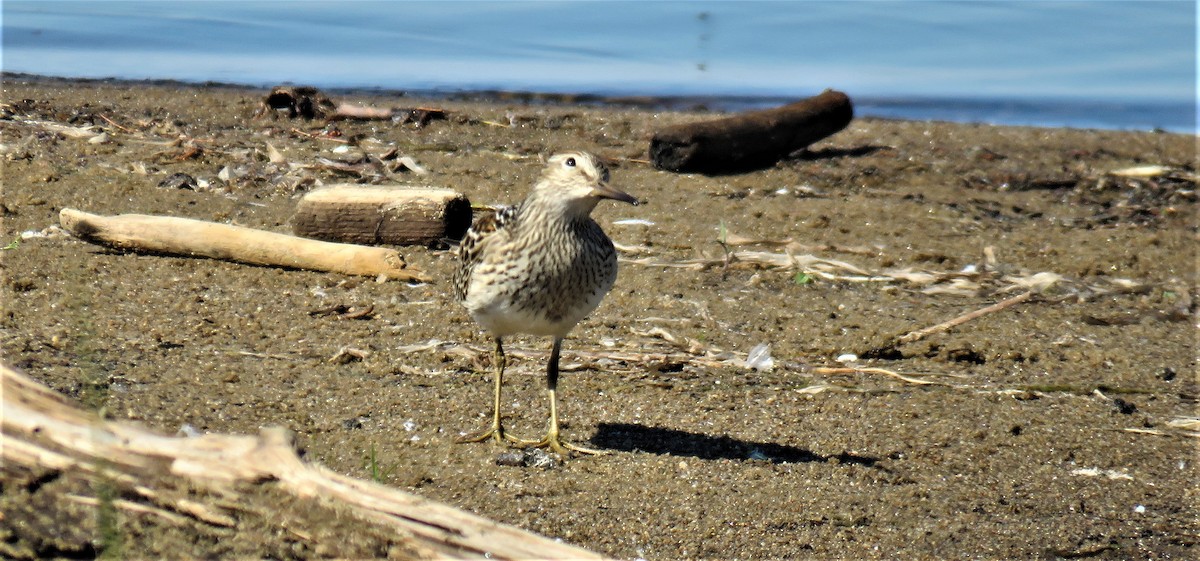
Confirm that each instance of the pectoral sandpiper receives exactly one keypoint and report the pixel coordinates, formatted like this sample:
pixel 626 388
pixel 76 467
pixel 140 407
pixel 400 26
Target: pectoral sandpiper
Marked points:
pixel 539 268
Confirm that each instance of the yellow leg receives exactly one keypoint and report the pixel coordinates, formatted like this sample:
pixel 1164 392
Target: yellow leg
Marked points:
pixel 496 430
pixel 552 440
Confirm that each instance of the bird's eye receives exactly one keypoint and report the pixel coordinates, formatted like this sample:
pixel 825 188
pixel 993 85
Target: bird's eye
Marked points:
pixel 570 162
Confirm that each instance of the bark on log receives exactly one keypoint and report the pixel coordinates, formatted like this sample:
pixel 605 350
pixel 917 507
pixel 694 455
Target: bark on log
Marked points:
pixel 43 430
pixel 196 238
pixel 750 140
pixel 383 214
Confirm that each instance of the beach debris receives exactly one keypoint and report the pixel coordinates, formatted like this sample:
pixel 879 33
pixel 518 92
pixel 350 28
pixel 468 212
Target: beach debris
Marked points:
pixel 88 132
pixel 183 149
pixel 330 133
pixel 1185 423
pixel 274 155
pixel 345 111
pixel 968 280
pixel 179 181
pixel 528 457
pixel 418 116
pixel 407 163
pixel 307 102
pixel 346 355
pixel 366 167
pixel 1142 171
pixel 1097 472
pixel 342 311
pixel 865 370
pixel 889 348
pixel 1180 426
pixel 1139 194
pixel 230 173
pixel 208 478
pixel 355 161
pixel 383 214
pixel 195 238
pixel 984 279
pixel 52 231
pixel 297 101
pixel 751 140
pixel 759 358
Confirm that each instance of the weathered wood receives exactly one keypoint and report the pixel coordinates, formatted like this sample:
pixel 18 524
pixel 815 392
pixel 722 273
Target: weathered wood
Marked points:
pixel 750 140
pixel 298 101
pixel 383 214
pixel 195 238
pixel 43 430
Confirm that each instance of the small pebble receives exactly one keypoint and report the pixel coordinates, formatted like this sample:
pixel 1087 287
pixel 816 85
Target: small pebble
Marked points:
pixel 179 181
pixel 529 457
pixel 1125 407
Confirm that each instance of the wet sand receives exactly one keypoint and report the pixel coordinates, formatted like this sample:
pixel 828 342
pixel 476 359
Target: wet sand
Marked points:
pixel 1056 427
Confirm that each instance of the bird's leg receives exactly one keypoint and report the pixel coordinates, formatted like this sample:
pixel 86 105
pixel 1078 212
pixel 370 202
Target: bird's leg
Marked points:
pixel 496 431
pixel 552 441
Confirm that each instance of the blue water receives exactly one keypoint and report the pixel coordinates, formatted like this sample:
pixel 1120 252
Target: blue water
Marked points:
pixel 1117 65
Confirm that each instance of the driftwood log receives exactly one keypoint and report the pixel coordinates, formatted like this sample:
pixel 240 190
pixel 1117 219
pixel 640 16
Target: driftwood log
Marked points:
pixel 158 476
pixel 383 214
pixel 750 140
pixel 195 238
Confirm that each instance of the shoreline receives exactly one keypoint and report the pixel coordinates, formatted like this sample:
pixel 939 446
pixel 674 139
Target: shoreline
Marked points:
pixel 972 111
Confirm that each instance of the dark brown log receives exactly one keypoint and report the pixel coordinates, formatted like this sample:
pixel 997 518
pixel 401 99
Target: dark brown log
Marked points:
pixel 750 140
pixel 393 215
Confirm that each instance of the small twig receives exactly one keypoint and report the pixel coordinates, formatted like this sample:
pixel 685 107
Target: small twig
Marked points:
pixel 950 324
pixel 346 355
pixel 687 344
pixel 263 355
pixel 114 123
pixel 319 136
pixel 885 372
pixel 131 506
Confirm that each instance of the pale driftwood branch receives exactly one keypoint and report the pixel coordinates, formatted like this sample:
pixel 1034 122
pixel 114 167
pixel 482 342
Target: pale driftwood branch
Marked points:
pixel 195 238
pixel 43 430
pixel 391 214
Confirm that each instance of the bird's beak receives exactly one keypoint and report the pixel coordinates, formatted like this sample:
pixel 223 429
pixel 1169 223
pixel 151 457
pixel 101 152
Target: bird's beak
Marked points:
pixel 606 191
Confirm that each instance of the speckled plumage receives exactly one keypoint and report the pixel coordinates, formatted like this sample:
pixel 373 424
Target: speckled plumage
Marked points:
pixel 541 266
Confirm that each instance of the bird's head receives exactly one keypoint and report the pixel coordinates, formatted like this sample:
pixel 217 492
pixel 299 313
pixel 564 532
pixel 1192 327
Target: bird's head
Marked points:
pixel 579 180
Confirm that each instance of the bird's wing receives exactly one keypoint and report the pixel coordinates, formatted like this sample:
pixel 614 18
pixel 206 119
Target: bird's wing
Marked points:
pixel 485 229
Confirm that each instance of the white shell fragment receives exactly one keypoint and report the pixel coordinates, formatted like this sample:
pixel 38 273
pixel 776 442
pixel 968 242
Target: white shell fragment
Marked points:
pixel 1142 171
pixel 759 358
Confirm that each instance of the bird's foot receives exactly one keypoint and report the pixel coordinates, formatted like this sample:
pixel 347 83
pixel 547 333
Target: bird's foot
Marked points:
pixel 495 432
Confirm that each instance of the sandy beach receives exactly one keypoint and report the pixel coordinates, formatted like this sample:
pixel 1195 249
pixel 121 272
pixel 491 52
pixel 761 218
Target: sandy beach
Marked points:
pixel 1061 426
